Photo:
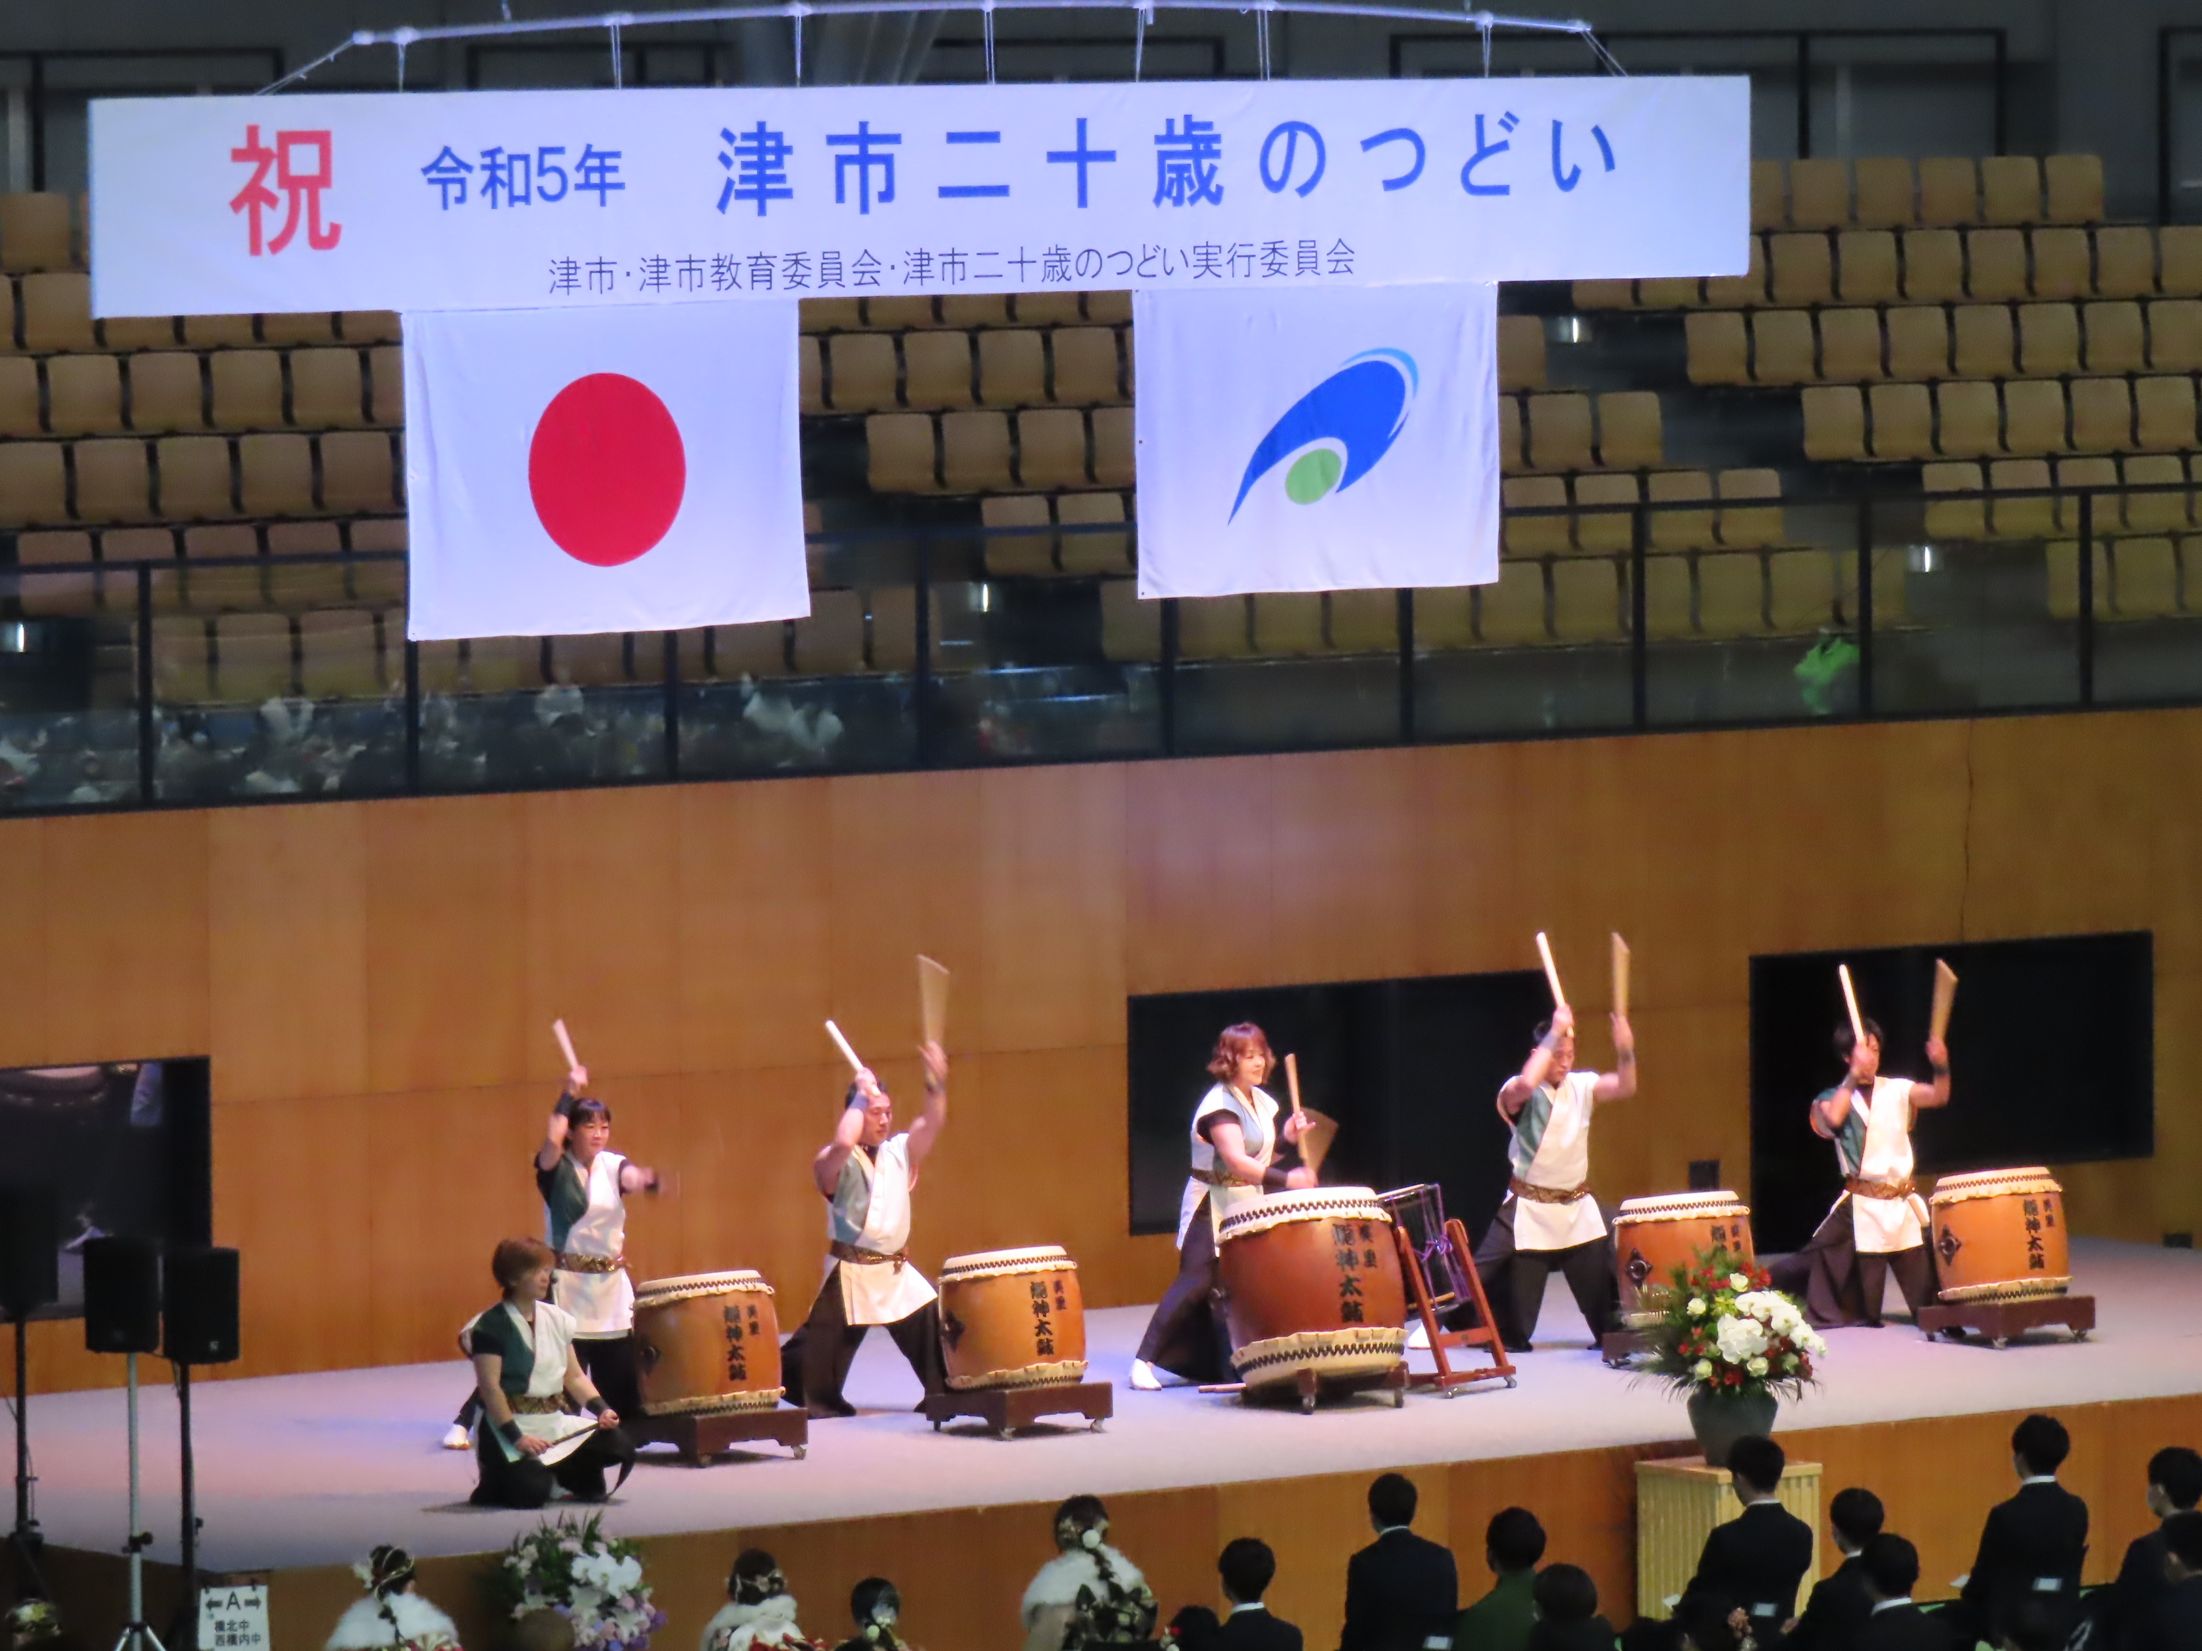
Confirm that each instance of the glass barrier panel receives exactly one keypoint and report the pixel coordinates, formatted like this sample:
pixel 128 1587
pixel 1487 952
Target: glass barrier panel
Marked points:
pixel 68 690
pixel 1544 649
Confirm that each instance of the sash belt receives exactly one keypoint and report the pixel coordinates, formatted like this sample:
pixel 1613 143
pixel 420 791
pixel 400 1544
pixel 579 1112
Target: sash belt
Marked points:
pixel 867 1258
pixel 1858 1188
pixel 549 1404
pixel 1545 1195
pixel 1222 1178
pixel 569 1262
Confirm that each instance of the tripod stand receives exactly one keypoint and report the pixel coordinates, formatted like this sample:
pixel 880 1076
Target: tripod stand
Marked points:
pixel 26 1539
pixel 136 1635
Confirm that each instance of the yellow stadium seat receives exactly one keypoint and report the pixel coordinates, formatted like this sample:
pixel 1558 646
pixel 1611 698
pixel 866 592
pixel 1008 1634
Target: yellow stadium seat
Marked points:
pixel 1366 621
pixel 2175 335
pixel 1902 420
pixel 58 570
pixel 1677 528
pixel 1131 630
pixel 1538 534
pixel 20 410
pixel 975 455
pixel 824 315
pixel 1669 292
pixel 252 657
pixel 810 376
pixel 2179 260
pixel 1741 291
pixel 340 658
pixel 219 332
pixel 248 389
pixel 1949 190
pixel 900 452
pixel 1289 625
pixel 2010 189
pixel 1629 433
pixel 2114 341
pixel 2125 262
pixel 83 395
pixel 113 483
pixel 1885 193
pixel 196 483
pixel 1603 523
pixel 1934 266
pixel 358 473
pixel 57 312
pixel 1559 432
pixel 2095 479
pixel 1668 599
pixel 2075 188
pixel 2033 417
pixel 136 332
pixel 2064 579
pixel 1522 352
pixel 2063 265
pixel 1918 342
pixel 1954 518
pixel 368 327
pixel 276 474
pixel 1214 627
pixel 1050 309
pixel 2158 512
pixel 1995 264
pixel 1819 194
pixel 1444 617
pixel 34 233
pixel 750 650
pixel 2145 578
pixel 894 314
pixel 386 373
pixel 1510 611
pixel 1096 551
pixel 1009 553
pixel 1586 600
pixel 830 642
pixel 1834 423
pixel 1769 199
pixel 1850 345
pixel 167 393
pixel 2021 506
pixel 1603 295
pixel 298 327
pixel 1109 307
pixel 1981 335
pixel 860 373
pixel 33 484
pixel 975 309
pixel 183 672
pixel 1510 433
pixel 2049 340
pixel 2102 415
pixel 1088 367
pixel 1801 591
pixel 1804 268
pixel 1866 267
pixel 1051 448
pixel 936 370
pixel 1113 462
pixel 1781 346
pixel 327 390
pixel 892 623
pixel 1717 349
pixel 1731 593
pixel 2164 410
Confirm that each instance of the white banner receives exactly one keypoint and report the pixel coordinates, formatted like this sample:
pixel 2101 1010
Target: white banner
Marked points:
pixel 1295 441
pixel 631 471
pixel 499 200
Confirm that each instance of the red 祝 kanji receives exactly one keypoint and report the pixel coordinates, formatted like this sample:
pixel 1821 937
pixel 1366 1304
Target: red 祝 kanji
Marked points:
pixel 297 189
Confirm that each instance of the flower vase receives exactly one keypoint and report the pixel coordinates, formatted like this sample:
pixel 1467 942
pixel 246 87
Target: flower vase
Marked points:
pixel 1720 1419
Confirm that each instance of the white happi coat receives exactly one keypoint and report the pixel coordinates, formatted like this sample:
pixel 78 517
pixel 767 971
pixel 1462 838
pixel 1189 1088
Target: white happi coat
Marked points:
pixel 870 1209
pixel 1874 1144
pixel 1257 1121
pixel 1551 1148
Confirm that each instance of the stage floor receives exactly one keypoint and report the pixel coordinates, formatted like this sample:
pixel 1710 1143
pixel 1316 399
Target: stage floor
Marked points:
pixel 305 1470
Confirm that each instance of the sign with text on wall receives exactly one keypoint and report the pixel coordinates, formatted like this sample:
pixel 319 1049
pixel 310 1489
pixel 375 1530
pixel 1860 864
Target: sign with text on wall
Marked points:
pixel 500 200
pixel 233 1616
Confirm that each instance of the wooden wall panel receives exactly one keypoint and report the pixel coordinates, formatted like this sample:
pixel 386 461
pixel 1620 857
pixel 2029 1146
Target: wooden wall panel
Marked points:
pixel 388 970
pixel 287 952
pixel 447 948
pixel 126 937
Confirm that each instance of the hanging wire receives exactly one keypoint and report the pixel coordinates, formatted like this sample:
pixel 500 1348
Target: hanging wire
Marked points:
pixel 1484 28
pixel 619 66
pixel 798 12
pixel 986 34
pixel 1140 19
pixel 1612 64
pixel 401 38
pixel 1261 37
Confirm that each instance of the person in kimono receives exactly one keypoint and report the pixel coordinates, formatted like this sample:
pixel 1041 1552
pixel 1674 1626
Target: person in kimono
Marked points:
pixel 1879 1224
pixel 866 1174
pixel 1548 1218
pixel 584 1188
pixel 1238 1154
pixel 533 1385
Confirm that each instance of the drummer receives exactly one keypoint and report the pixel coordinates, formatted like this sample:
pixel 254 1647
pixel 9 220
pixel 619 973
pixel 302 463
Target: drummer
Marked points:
pixel 1236 1158
pixel 1548 1218
pixel 1843 1272
pixel 866 1174
pixel 584 1186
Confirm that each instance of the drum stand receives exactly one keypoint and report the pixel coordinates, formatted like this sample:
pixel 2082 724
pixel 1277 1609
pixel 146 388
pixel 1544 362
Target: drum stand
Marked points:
pixel 1005 1409
pixel 699 1438
pixel 1459 1261
pixel 1999 1321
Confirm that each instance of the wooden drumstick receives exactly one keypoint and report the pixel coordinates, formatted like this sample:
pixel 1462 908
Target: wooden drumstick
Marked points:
pixel 841 1043
pixel 565 1045
pixel 1551 971
pixel 1292 1082
pixel 932 999
pixel 1945 994
pixel 1621 977
pixel 1850 1002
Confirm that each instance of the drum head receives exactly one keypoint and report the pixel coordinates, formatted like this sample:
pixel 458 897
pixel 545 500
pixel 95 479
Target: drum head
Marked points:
pixel 743 1279
pixel 1038 1258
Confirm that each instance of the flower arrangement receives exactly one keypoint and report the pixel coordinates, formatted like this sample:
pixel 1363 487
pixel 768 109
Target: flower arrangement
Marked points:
pixel 570 1566
pixel 1722 1332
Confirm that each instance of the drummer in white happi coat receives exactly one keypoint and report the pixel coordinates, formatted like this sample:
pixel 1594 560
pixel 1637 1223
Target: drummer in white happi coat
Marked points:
pixel 1879 1225
pixel 1548 1218
pixel 867 1173
pixel 1239 1152
pixel 584 1186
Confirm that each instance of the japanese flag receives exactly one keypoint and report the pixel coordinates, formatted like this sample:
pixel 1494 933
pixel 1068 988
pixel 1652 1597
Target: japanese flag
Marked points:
pixel 633 468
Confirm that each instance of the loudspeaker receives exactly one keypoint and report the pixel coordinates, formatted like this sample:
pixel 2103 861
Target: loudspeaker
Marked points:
pixel 122 1296
pixel 201 1306
pixel 30 1276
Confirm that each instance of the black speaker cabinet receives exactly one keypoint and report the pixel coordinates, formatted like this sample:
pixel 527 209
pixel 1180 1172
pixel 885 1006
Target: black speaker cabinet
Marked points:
pixel 29 1261
pixel 122 1296
pixel 201 1306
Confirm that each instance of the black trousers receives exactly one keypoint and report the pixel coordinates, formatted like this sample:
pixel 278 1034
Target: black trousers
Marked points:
pixel 1187 1335
pixel 814 1362
pixel 527 1483
pixel 1840 1285
pixel 1514 1279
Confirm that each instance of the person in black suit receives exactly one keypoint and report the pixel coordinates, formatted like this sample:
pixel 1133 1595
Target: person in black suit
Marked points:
pixel 1402 1591
pixel 2125 1608
pixel 1759 1558
pixel 1567 1612
pixel 2033 1627
pixel 1895 1623
pixel 1837 1611
pixel 2032 1545
pixel 2178 1618
pixel 1247 1566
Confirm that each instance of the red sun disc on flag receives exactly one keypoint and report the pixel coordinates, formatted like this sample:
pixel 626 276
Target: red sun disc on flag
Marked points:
pixel 606 469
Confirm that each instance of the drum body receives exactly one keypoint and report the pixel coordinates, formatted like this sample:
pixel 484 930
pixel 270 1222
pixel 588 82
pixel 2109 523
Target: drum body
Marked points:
pixel 1653 1236
pixel 707 1344
pixel 2000 1236
pixel 1012 1318
pixel 1311 1283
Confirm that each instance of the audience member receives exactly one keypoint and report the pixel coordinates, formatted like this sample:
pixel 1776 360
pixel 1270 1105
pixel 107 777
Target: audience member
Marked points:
pixel 2178 1620
pixel 1088 1594
pixel 392 1614
pixel 1706 1621
pixel 1837 1611
pixel 2033 1545
pixel 1247 1568
pixel 1757 1559
pixel 1895 1623
pixel 1567 1612
pixel 1402 1591
pixel 2033 1626
pixel 2124 1609
pixel 1501 1620
pixel 760 1612
pixel 875 1605
pixel 33 1625
pixel 1194 1628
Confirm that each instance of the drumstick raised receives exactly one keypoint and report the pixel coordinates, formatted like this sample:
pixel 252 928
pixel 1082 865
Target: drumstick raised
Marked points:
pixel 1621 977
pixel 565 1045
pixel 1850 1002
pixel 1292 1081
pixel 932 999
pixel 1551 971
pixel 841 1043
pixel 1945 994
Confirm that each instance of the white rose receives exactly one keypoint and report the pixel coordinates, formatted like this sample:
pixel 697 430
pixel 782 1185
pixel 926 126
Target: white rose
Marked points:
pixel 1740 1339
pixel 1757 1367
pixel 1697 1307
pixel 1702 1370
pixel 1737 1281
